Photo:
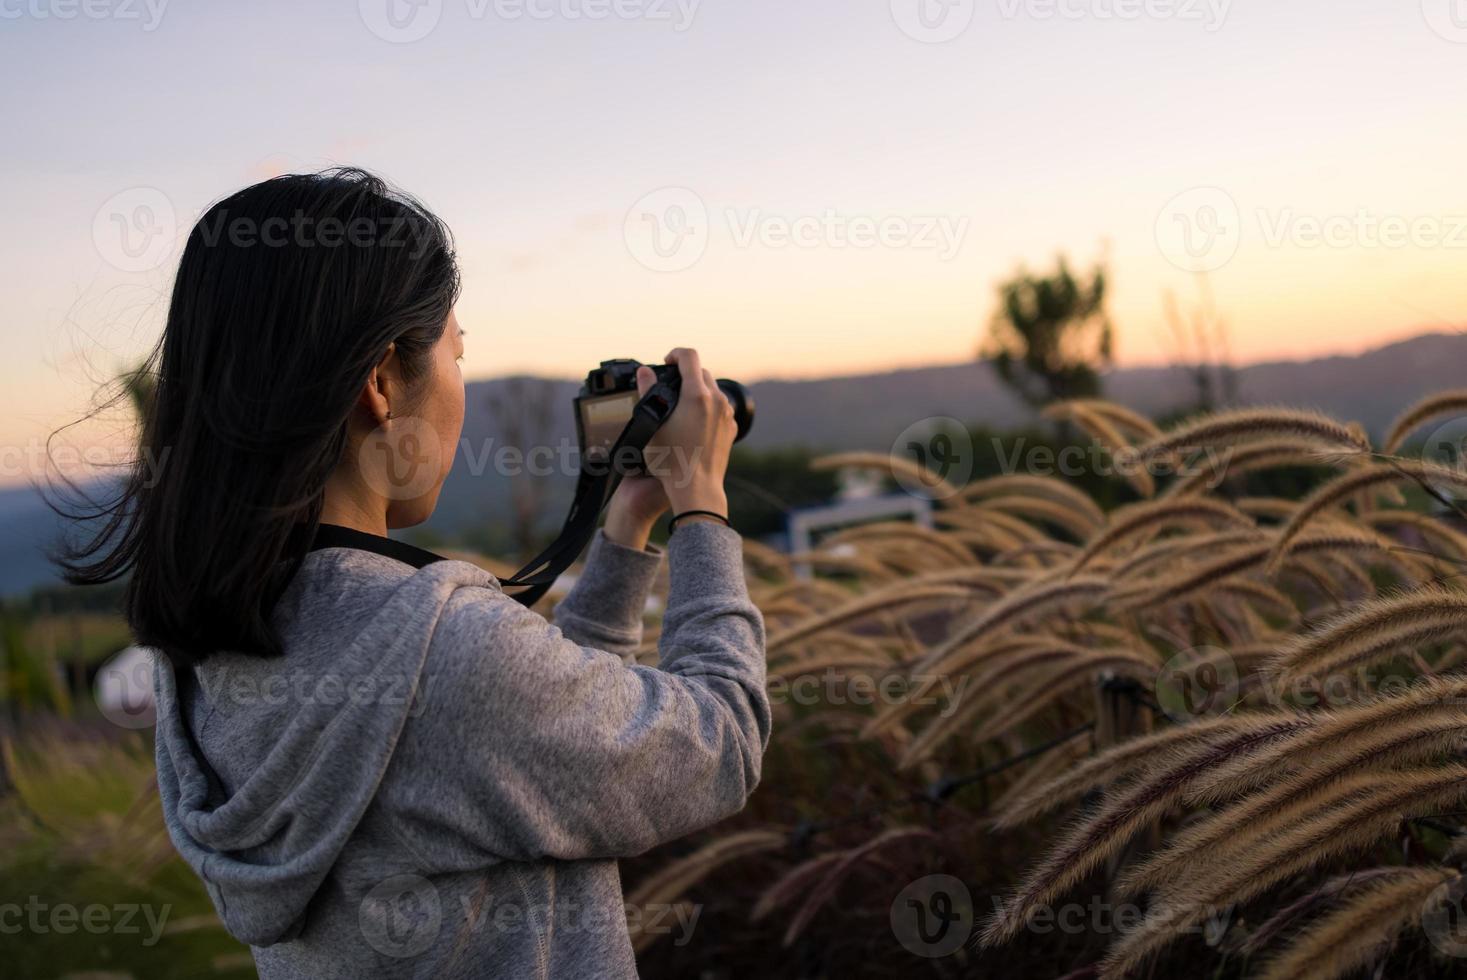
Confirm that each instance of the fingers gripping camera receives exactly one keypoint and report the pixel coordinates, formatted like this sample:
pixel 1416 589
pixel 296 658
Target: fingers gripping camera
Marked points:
pixel 609 397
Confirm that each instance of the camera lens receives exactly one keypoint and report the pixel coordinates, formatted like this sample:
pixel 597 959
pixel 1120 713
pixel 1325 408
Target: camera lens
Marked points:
pixel 743 405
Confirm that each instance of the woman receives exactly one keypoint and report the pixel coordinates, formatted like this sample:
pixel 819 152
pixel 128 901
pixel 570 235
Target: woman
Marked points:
pixel 378 763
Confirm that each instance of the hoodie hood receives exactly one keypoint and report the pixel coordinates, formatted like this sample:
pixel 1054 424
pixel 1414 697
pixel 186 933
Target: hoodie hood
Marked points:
pixel 317 748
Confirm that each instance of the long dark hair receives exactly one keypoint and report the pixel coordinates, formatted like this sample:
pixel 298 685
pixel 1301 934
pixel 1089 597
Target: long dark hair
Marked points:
pixel 288 294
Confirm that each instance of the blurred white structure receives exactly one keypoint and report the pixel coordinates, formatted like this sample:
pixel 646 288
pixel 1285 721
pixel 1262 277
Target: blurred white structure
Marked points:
pixel 124 688
pixel 805 523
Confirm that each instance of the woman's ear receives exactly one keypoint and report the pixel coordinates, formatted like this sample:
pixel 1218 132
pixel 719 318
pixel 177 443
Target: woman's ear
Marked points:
pixel 383 385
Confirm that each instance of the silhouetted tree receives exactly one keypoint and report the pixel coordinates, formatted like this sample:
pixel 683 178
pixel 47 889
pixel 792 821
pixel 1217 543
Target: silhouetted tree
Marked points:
pixel 1051 336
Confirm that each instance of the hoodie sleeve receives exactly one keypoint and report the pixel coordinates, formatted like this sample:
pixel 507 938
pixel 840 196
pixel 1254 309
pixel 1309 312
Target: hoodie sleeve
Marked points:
pixel 532 746
pixel 604 608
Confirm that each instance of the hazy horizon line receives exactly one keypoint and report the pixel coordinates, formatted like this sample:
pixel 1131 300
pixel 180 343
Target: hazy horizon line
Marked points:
pixel 1444 330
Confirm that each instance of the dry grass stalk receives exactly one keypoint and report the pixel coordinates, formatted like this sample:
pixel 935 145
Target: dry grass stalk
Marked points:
pixel 814 592
pixel 671 882
pixel 765 559
pixel 1017 532
pixel 1353 580
pixel 1008 659
pixel 1439 538
pixel 1161 551
pixel 988 682
pixel 1341 488
pixel 905 533
pixel 1046 511
pixel 1355 934
pixel 782 612
pixel 1271 508
pixel 1360 818
pixel 1120 763
pixel 1066 676
pixel 1227 833
pixel 901 594
pixel 997 682
pixel 1440 697
pixel 837 871
pixel 1102 833
pixel 1049 552
pixel 1432 407
pixel 992 653
pixel 1187 582
pixel 1267 454
pixel 1251 424
pixel 981 543
pixel 962 659
pixel 1019 606
pixel 920 748
pixel 1366 651
pixel 1260 594
pixel 1151 517
pixel 983 533
pixel 844 562
pixel 1024 485
pixel 1189 579
pixel 1248 656
pixel 1092 423
pixel 1115 416
pixel 1100 427
pixel 1050 766
pixel 1377 624
pixel 897 466
pixel 904 561
pixel 976 578
pixel 1121 417
pixel 1096 632
pixel 1318 896
pixel 1312 782
pixel 850 661
pixel 793 883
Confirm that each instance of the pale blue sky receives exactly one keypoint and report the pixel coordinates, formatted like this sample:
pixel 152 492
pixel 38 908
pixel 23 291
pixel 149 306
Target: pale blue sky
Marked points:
pixel 534 138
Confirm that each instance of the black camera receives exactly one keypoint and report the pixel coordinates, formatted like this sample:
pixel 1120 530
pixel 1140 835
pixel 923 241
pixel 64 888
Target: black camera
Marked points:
pixel 613 424
pixel 607 399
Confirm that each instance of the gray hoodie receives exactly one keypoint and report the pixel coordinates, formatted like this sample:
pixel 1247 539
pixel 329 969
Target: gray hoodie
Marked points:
pixel 434 781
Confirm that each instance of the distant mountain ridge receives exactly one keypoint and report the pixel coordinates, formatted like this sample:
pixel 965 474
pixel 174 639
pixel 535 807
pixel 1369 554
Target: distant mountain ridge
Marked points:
pixel 868 412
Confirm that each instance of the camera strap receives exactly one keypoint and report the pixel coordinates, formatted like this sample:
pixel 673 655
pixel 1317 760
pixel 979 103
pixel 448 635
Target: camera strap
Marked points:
pixel 593 490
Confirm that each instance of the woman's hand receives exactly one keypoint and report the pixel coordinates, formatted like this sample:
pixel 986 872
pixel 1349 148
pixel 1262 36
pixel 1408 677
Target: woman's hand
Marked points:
pixel 689 454
pixel 686 460
pixel 634 509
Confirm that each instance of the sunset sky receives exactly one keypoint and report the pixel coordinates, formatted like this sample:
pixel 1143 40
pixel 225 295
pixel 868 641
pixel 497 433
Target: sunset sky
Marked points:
pixel 619 184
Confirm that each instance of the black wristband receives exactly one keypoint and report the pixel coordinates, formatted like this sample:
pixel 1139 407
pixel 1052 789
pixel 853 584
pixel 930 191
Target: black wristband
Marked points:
pixel 672 524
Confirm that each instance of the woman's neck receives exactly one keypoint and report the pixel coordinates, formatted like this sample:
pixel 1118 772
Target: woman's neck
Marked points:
pixel 354 507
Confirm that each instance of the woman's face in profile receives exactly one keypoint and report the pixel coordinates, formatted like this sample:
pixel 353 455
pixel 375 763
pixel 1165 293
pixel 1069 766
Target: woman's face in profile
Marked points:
pixel 441 412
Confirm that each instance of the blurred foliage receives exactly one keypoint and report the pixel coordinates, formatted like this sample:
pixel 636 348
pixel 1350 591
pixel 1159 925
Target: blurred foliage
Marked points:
pixel 82 841
pixel 71 598
pixel 28 681
pixel 763 485
pixel 80 638
pixel 1040 452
